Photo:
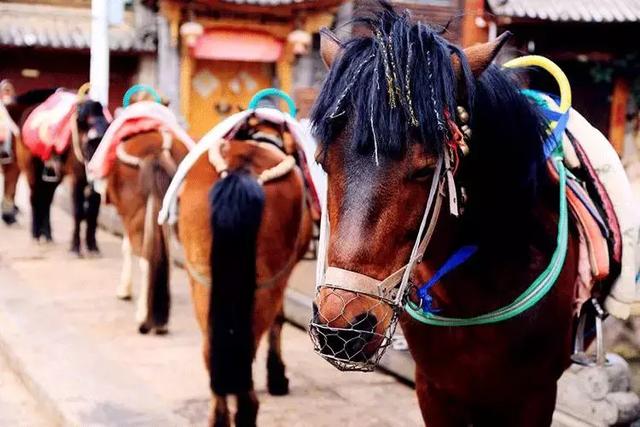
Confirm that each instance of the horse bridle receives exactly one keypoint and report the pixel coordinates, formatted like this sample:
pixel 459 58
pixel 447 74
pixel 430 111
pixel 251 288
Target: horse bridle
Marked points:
pixel 394 288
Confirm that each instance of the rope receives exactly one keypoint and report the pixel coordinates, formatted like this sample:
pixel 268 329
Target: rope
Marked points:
pixel 202 275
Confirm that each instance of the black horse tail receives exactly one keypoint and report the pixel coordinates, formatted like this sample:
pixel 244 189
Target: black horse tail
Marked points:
pixel 155 176
pixel 236 203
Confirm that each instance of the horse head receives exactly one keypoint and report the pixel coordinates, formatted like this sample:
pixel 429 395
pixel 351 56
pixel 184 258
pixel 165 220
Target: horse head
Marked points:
pixel 92 125
pixel 394 118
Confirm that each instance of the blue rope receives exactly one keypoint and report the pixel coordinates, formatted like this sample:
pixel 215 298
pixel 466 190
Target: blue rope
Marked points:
pixel 458 258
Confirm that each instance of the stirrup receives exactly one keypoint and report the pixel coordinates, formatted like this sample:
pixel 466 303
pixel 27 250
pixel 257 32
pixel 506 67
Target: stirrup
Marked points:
pixel 579 355
pixel 51 171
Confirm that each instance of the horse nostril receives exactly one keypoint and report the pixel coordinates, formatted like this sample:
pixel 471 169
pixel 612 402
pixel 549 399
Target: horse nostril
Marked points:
pixel 365 322
pixel 349 343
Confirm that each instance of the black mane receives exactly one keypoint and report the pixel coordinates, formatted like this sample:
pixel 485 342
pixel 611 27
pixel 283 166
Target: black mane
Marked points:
pixel 35 96
pixel 506 161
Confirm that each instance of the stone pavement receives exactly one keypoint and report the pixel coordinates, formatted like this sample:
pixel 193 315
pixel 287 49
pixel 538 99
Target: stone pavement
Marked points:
pixel 17 406
pixel 161 377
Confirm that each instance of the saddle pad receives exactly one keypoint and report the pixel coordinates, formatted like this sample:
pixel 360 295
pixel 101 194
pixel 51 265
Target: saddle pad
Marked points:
pixel 139 117
pixel 168 213
pixel 48 127
pixel 624 298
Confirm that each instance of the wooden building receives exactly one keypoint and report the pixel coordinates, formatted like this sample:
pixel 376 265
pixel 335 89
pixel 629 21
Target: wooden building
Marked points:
pixel 594 42
pixel 214 55
pixel 46 44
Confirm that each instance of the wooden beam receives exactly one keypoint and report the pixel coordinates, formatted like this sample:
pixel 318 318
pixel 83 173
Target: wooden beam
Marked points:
pixel 618 117
pixel 471 32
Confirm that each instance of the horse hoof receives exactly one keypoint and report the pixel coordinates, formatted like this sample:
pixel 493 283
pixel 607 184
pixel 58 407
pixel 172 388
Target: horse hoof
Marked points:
pixel 144 329
pixel 161 330
pixel 124 297
pixel 219 420
pixel 278 387
pixel 94 253
pixel 75 253
pixel 9 219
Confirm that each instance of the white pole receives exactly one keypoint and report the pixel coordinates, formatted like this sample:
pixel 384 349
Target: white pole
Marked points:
pixel 99 70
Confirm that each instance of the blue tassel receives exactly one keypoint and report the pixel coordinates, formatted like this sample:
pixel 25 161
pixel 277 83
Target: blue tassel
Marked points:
pixel 458 258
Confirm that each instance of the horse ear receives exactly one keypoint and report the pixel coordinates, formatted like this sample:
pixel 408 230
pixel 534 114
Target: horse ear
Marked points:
pixel 481 55
pixel 330 46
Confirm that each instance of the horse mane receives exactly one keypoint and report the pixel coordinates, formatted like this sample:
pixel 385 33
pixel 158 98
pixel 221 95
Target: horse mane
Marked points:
pixel 394 87
pixel 35 96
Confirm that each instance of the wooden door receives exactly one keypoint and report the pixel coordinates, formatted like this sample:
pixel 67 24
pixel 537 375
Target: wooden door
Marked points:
pixel 221 88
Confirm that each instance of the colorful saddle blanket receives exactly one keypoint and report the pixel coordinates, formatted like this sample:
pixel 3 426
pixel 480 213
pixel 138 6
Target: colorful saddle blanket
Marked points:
pixel 139 117
pixel 47 130
pixel 606 213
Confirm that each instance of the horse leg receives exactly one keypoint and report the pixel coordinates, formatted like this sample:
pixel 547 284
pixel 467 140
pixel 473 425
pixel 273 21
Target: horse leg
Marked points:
pixel 247 413
pixel 49 190
pixel 438 408
pixel 124 287
pixel 77 197
pixel 277 381
pixel 9 209
pixel 35 199
pixel 92 211
pixel 532 408
pixel 142 306
pixel 220 409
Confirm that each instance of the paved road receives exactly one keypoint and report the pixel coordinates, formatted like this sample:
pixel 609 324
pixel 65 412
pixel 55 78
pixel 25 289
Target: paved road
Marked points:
pixel 81 293
pixel 17 406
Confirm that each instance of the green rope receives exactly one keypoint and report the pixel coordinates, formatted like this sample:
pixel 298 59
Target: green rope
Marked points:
pixel 535 292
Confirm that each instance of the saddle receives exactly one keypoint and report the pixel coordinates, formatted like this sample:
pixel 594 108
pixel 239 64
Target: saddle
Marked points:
pixel 596 214
pixel 48 128
pixel 142 116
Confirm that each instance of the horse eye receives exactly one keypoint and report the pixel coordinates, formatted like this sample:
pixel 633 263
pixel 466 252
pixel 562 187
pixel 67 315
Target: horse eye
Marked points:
pixel 422 173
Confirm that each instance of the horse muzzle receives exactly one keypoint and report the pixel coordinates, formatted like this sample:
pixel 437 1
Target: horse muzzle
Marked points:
pixel 351 330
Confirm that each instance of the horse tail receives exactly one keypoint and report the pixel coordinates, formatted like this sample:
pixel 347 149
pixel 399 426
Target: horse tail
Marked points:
pixel 236 203
pixel 155 177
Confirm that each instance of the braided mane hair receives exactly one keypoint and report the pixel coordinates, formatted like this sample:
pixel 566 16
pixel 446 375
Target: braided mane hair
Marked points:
pixel 393 87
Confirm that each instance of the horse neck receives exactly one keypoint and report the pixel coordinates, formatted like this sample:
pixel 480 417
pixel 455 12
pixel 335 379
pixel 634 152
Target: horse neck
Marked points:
pixel 500 271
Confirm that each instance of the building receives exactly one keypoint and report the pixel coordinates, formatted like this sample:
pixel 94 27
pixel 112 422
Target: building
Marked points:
pixel 215 54
pixel 46 44
pixel 591 40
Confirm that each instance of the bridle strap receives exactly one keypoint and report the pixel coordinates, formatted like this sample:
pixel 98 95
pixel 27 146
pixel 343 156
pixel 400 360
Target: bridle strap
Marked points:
pixel 338 278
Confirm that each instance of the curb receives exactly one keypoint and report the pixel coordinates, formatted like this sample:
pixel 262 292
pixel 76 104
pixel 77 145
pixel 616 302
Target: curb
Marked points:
pixel 74 386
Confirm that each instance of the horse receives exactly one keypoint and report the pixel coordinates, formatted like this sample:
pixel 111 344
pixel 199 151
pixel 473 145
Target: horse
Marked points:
pixel 88 125
pixel 405 120
pixel 9 133
pixel 145 161
pixel 244 224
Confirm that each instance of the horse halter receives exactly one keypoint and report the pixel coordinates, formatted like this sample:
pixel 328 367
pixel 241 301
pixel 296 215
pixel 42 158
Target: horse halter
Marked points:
pixel 393 290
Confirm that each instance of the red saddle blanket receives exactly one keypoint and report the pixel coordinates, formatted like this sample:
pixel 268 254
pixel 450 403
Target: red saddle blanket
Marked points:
pixel 47 129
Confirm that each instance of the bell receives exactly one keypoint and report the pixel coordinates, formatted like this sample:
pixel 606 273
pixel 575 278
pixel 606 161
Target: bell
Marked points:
pixel 466 131
pixel 464 148
pixel 463 116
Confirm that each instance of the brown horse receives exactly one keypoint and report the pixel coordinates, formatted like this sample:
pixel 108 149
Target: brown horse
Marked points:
pixel 90 124
pixel 386 117
pixel 144 166
pixel 14 105
pixel 244 225
pixel 10 133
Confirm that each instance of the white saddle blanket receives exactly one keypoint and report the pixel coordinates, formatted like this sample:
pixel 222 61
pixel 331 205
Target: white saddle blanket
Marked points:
pixel 624 299
pixel 168 213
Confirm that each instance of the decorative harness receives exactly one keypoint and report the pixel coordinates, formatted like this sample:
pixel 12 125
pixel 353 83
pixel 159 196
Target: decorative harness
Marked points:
pixel 394 289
